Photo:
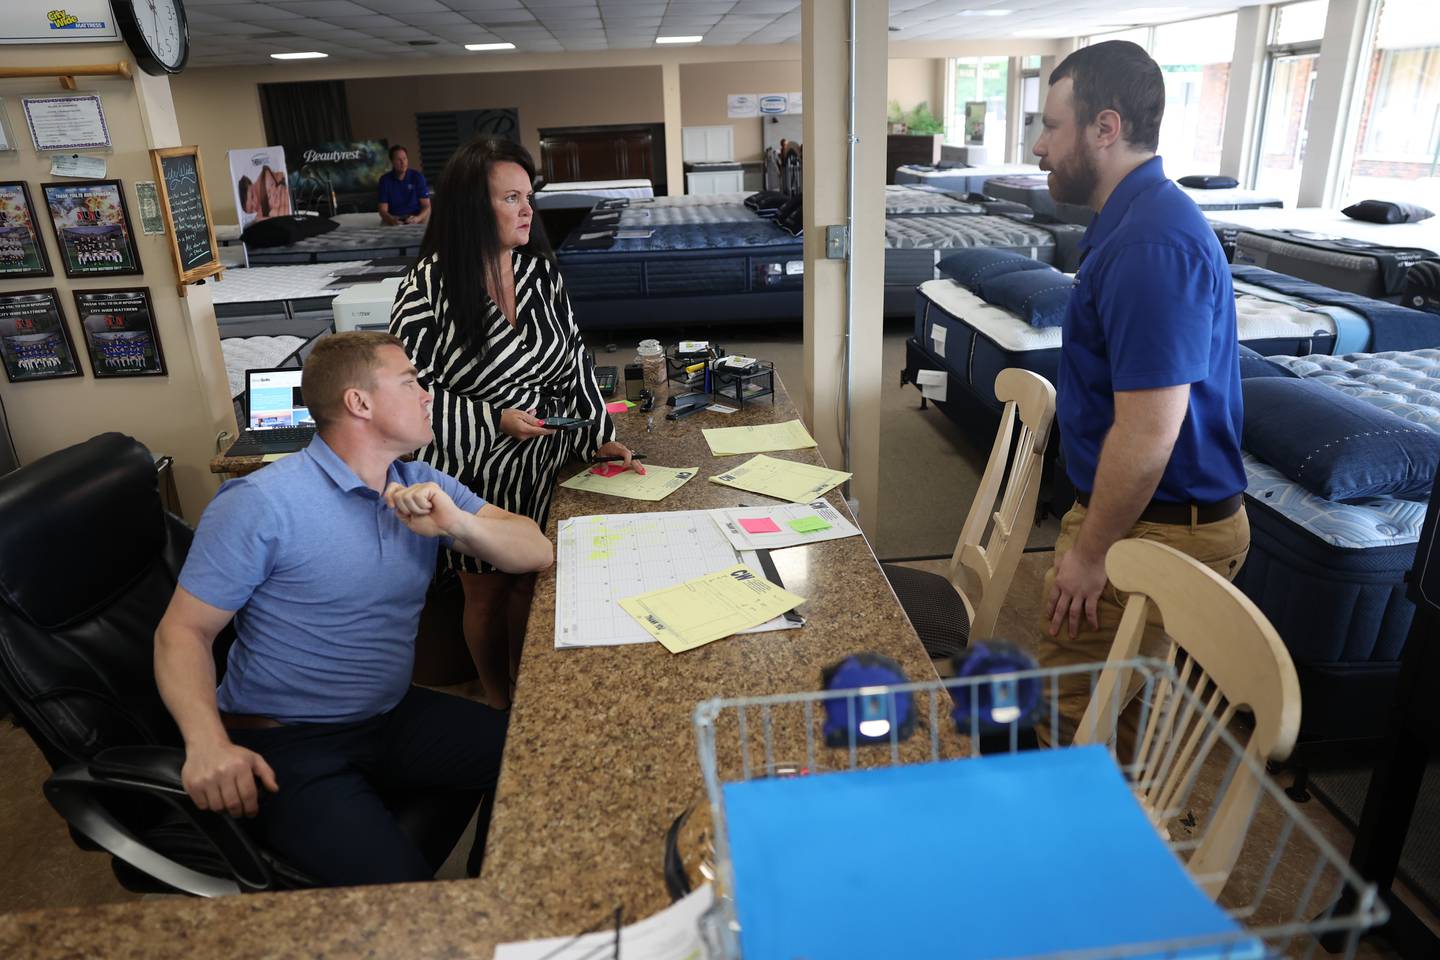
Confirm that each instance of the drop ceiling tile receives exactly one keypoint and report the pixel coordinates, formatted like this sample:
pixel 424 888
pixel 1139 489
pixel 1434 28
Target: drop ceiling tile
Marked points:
pixel 327 8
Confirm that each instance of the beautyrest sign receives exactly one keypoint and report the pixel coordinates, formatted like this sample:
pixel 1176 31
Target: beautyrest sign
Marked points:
pixel 46 21
pixel 351 168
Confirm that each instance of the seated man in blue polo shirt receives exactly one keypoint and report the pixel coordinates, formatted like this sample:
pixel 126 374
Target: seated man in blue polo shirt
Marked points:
pixel 322 560
pixel 1148 400
pixel 404 195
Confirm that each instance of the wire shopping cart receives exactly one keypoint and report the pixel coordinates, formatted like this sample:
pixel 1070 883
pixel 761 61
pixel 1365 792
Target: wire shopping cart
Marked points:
pixel 1189 776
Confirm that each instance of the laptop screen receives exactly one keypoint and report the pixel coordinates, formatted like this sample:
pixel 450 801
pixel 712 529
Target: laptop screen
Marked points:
pixel 273 399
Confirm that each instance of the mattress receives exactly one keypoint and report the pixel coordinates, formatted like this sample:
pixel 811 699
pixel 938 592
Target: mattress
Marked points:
pixel 915 244
pixel 1327 247
pixel 963 179
pixel 990 338
pixel 346 243
pixel 255 353
pixel 285 284
pixel 911 201
pixel 603 188
pixel 648 215
pixel 1330 576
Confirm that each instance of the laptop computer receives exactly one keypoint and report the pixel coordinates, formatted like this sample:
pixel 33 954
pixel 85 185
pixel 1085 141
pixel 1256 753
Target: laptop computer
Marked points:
pixel 277 420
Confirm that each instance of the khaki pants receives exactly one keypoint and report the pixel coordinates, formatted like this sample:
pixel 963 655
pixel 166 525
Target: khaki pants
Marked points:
pixel 1221 546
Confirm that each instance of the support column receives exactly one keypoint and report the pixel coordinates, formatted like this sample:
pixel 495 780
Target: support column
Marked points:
pixel 1345 24
pixel 1240 138
pixel 1014 107
pixel 670 98
pixel 825 83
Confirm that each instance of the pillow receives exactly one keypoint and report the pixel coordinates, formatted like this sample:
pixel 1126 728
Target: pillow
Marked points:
pixel 283 231
pixel 969 267
pixel 1253 364
pixel 1386 211
pixel 1208 182
pixel 1334 445
pixel 1039 297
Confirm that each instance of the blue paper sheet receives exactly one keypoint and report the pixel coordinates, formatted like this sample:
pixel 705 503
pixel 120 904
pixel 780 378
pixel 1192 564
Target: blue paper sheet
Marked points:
pixel 1000 856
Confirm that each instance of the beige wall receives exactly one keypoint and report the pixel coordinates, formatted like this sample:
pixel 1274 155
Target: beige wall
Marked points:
pixel 220 112
pixel 705 86
pixel 913 81
pixel 386 107
pixel 179 414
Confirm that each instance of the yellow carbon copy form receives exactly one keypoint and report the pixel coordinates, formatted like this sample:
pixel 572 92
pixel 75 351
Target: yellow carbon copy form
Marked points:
pixel 785 479
pixel 692 614
pixel 730 441
pixel 656 483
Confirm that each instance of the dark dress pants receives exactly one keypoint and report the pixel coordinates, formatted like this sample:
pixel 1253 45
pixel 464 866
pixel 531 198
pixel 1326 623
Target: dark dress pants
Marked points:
pixel 329 818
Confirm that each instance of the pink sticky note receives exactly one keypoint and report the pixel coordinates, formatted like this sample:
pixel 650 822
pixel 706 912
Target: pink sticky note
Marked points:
pixel 618 406
pixel 759 525
pixel 607 469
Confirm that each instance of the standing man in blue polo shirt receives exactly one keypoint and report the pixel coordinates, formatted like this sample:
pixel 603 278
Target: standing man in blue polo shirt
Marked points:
pixel 404 195
pixel 1148 399
pixel 322 561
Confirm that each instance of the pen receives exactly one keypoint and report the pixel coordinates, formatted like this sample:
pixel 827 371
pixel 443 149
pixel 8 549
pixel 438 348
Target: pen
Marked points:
pixel 633 456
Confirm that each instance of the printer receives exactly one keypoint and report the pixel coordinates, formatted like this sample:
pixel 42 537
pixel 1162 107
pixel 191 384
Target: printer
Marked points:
pixel 365 306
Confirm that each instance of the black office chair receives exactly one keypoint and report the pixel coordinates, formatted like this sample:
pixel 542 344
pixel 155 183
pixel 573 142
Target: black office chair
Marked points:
pixel 88 562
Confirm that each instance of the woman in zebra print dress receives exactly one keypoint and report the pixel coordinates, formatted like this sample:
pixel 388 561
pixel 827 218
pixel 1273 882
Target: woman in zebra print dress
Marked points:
pixel 496 342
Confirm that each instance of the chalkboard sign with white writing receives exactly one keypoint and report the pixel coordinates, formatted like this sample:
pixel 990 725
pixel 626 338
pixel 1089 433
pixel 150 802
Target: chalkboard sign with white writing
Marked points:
pixel 186 209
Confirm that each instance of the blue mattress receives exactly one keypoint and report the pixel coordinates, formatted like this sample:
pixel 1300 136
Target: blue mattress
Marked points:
pixel 1330 576
pixel 713 272
pixel 1367 325
pixel 346 242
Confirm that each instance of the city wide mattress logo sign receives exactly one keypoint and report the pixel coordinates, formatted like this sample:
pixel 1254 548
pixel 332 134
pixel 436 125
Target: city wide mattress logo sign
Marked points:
pixel 62 19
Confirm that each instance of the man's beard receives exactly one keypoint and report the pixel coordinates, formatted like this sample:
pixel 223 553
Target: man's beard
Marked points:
pixel 1074 181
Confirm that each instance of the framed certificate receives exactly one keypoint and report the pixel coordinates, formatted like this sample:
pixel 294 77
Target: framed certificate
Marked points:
pixel 73 122
pixel 120 333
pixel 22 252
pixel 35 343
pixel 92 228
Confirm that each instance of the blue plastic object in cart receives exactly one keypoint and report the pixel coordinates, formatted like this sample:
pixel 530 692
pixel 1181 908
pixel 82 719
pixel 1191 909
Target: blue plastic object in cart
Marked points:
pixel 1003 856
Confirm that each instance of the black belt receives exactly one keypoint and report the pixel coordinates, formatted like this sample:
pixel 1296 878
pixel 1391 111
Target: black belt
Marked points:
pixel 1164 511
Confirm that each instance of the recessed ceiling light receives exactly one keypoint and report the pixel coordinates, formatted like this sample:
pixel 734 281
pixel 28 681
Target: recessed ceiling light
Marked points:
pixel 307 55
pixel 678 39
pixel 984 13
pixel 489 46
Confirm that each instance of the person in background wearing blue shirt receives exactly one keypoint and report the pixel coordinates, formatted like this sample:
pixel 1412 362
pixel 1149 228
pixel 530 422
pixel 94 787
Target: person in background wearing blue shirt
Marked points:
pixel 322 561
pixel 1148 399
pixel 404 195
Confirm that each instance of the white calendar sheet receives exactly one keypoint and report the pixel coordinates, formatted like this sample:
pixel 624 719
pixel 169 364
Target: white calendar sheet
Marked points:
pixel 602 560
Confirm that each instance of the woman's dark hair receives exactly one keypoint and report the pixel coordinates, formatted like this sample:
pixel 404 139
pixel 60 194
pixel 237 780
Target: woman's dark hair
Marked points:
pixel 463 233
pixel 1117 75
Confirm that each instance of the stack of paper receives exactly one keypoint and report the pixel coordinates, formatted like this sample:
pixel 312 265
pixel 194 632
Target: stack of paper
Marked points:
pixel 671 934
pixel 731 441
pixel 692 614
pixel 785 479
pixel 656 483
pixel 790 525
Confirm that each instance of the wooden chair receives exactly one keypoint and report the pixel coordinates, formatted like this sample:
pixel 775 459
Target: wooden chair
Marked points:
pixel 947 610
pixel 1232 658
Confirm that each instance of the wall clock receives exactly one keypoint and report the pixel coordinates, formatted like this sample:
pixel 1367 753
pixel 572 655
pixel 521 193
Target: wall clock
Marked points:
pixel 157 33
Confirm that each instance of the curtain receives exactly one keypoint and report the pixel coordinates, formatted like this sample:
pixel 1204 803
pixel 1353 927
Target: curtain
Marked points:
pixel 301 115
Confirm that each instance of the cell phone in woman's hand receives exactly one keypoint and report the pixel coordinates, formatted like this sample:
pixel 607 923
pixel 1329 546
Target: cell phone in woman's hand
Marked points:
pixel 563 423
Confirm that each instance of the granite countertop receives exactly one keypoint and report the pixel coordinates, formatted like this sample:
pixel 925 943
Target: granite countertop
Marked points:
pixel 601 758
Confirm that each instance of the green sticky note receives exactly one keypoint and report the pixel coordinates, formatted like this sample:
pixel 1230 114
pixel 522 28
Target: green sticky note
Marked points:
pixel 630 404
pixel 599 554
pixel 808 525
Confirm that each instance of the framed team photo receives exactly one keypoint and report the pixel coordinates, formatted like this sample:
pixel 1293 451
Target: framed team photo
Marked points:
pixel 120 332
pixel 92 228
pixel 35 342
pixel 22 252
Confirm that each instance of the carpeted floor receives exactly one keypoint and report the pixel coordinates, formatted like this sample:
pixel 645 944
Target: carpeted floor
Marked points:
pixel 1343 791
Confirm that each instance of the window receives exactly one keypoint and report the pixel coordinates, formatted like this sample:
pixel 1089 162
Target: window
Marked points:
pixel 1194 57
pixel 1397 137
pixel 1294 53
pixel 1299 22
pixel 975 79
pixel 1140 35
